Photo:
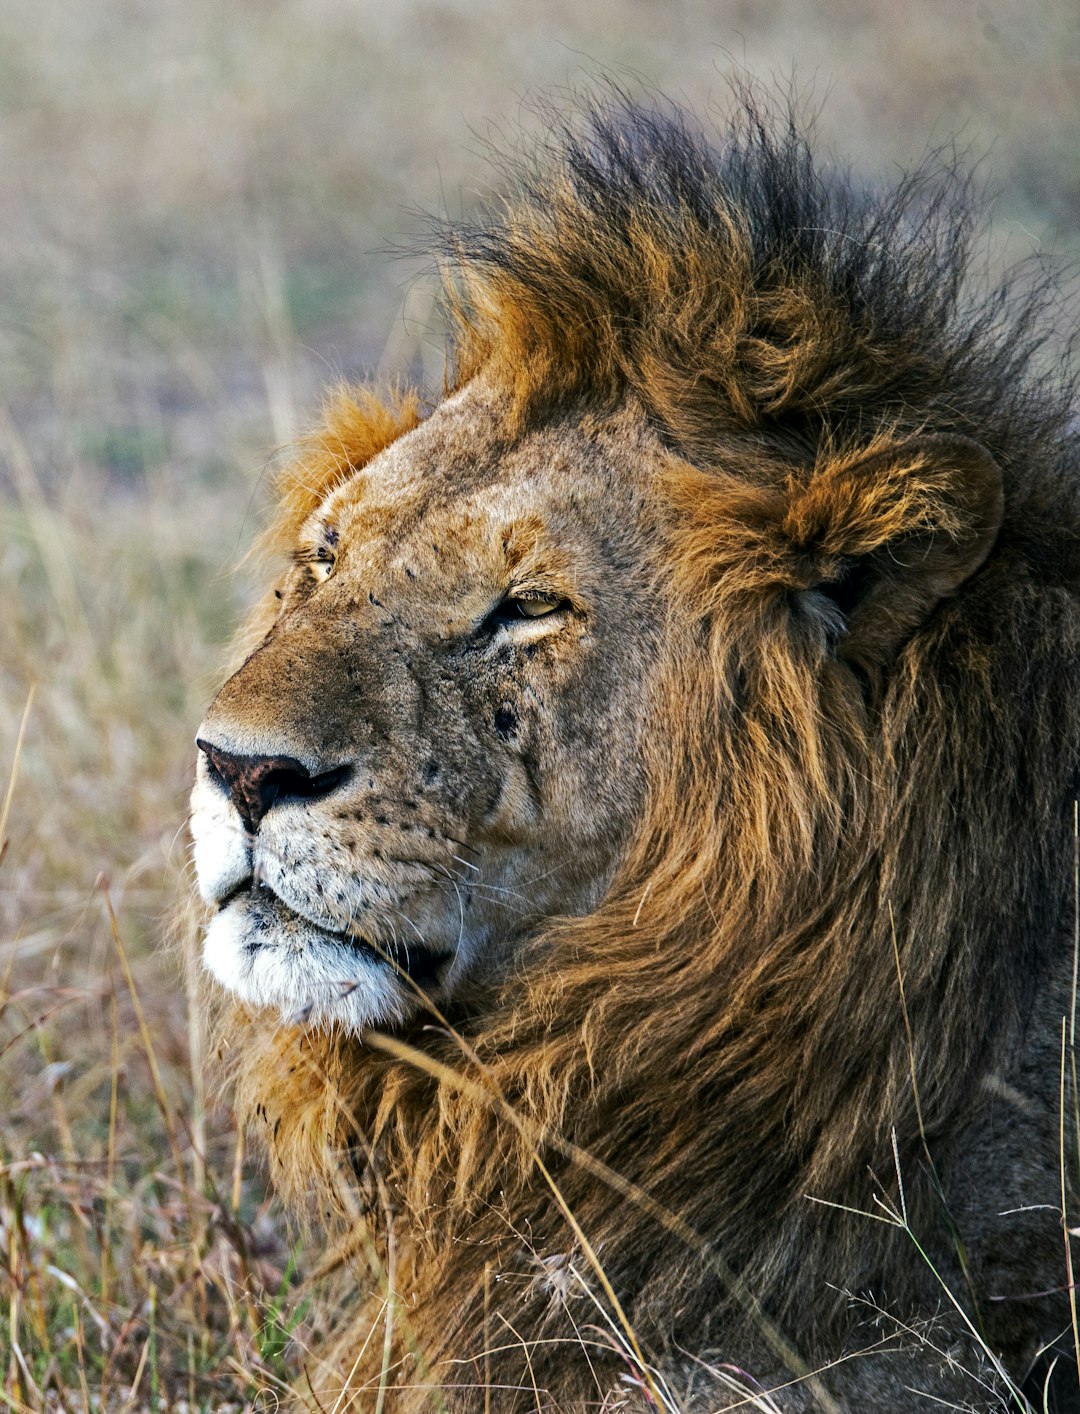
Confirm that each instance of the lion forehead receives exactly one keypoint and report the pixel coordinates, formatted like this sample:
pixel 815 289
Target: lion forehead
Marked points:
pixel 449 456
pixel 462 488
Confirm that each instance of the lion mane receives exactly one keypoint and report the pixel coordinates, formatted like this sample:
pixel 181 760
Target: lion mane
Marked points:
pixel 848 893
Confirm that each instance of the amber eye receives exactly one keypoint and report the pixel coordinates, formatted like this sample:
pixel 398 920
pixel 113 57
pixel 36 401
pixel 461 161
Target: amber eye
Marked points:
pixel 516 607
pixel 535 607
pixel 323 567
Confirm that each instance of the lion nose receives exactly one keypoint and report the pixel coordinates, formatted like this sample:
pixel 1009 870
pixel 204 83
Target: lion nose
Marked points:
pixel 256 782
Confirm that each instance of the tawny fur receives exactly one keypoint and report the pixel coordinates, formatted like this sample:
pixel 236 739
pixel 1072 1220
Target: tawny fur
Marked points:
pixel 827 816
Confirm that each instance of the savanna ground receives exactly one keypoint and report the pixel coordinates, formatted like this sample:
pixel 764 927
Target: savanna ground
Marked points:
pixel 196 199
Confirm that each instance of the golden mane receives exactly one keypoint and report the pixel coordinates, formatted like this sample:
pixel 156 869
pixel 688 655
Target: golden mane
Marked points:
pixel 788 947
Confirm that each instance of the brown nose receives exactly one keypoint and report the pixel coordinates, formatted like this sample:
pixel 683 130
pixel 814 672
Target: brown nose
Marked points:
pixel 256 782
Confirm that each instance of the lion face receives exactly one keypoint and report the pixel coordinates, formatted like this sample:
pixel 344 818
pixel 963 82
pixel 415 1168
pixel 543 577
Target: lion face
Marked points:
pixel 437 743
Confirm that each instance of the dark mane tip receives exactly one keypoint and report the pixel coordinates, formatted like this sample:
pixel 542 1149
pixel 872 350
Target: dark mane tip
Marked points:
pixel 740 283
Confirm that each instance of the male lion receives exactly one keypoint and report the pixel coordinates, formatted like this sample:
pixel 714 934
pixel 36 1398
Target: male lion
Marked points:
pixel 641 832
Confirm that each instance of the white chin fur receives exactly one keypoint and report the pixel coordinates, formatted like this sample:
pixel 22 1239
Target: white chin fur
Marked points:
pixel 303 977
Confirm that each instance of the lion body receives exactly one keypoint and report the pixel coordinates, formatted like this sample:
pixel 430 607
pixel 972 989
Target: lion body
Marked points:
pixel 649 805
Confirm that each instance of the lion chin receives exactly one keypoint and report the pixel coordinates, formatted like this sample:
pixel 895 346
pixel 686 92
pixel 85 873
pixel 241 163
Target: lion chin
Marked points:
pixel 637 834
pixel 270 957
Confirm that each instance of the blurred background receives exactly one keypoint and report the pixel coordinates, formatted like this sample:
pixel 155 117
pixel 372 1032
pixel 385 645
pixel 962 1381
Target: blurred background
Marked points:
pixel 198 201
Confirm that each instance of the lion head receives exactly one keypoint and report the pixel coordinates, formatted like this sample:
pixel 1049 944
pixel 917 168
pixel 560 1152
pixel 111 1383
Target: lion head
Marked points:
pixel 439 742
pixel 644 804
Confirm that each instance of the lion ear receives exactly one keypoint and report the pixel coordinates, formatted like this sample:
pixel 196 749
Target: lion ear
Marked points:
pixel 882 537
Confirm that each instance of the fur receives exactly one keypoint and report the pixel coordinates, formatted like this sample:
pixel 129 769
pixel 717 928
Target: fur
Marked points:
pixel 842 906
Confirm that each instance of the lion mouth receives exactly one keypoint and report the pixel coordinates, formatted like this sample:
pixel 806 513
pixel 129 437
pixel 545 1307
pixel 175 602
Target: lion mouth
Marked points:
pixel 269 913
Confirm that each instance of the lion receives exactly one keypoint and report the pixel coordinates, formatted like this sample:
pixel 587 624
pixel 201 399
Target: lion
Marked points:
pixel 639 833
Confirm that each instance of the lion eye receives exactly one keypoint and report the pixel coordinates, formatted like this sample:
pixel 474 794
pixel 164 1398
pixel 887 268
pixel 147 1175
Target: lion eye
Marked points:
pixel 516 607
pixel 536 608
pixel 322 568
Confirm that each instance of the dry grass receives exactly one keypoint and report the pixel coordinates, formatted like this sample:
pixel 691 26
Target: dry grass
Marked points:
pixel 136 1270
pixel 194 193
